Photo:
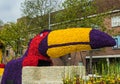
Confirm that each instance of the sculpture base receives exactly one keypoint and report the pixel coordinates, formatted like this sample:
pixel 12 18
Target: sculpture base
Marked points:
pixel 50 75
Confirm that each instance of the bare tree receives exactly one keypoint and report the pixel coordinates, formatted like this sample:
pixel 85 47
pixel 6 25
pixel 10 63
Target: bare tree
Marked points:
pixel 40 11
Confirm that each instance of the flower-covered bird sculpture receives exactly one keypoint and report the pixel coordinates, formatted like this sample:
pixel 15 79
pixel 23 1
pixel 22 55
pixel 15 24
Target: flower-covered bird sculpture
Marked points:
pixel 55 43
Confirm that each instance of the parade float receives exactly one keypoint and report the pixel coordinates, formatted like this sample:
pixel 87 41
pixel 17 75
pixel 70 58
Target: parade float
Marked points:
pixel 53 44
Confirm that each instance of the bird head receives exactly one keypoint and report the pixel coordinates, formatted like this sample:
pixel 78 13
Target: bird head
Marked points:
pixel 64 41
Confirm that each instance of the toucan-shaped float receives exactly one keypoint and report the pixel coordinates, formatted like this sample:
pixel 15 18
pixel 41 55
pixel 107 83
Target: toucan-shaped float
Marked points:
pixel 55 43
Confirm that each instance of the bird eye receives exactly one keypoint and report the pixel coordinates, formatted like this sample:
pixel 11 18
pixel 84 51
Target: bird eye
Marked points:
pixel 41 35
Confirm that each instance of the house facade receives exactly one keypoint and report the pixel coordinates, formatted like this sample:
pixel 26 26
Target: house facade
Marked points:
pixel 107 55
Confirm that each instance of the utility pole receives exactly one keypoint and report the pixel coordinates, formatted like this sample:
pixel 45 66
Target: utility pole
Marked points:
pixel 49 17
pixel 90 52
pixel 49 21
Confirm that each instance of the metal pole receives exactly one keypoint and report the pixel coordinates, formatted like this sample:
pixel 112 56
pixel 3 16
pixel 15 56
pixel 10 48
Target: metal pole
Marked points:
pixel 108 64
pixel 90 61
pixel 49 20
pixel 49 15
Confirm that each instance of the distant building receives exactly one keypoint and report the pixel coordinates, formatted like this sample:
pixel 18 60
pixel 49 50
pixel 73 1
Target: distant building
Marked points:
pixel 107 55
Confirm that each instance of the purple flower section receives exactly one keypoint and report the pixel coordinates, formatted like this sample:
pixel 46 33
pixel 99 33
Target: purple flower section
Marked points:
pixel 100 39
pixel 13 71
pixel 43 47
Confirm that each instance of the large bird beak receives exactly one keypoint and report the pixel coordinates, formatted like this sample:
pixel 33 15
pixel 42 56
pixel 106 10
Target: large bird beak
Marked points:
pixel 62 42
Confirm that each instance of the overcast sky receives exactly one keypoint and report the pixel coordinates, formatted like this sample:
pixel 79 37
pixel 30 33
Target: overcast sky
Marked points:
pixel 10 10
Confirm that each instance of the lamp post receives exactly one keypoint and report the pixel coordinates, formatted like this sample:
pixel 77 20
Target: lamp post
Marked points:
pixel 49 20
pixel 91 51
pixel 69 59
pixel 49 17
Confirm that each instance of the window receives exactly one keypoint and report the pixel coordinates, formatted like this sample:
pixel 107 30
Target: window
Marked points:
pixel 116 46
pixel 115 21
pixel 105 61
pixel 117 39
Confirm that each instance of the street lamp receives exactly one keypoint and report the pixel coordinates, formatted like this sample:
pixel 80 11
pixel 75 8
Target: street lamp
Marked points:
pixel 91 53
pixel 49 20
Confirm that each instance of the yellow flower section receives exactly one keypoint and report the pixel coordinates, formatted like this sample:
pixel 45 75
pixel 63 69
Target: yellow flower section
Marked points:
pixel 61 51
pixel 1 71
pixel 71 35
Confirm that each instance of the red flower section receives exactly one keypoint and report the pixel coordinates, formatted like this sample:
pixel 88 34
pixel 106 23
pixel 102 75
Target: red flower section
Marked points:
pixel 30 61
pixel 2 65
pixel 33 53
